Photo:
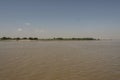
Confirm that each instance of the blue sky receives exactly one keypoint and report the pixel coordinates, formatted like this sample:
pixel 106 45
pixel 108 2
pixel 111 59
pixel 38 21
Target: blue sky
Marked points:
pixel 60 18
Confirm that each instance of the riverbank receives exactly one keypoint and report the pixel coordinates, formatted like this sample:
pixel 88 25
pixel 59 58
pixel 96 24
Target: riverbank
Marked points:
pixel 47 39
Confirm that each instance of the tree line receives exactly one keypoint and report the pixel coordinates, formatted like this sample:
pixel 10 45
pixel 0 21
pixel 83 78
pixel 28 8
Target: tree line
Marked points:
pixel 18 38
pixel 35 38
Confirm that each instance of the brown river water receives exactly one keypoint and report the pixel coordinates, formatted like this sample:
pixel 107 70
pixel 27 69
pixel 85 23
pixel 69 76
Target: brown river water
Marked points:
pixel 60 60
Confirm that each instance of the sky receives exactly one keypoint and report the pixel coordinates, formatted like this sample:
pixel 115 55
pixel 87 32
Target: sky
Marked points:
pixel 60 18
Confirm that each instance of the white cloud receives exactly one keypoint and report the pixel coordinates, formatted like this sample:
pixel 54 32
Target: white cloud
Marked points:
pixel 19 29
pixel 27 24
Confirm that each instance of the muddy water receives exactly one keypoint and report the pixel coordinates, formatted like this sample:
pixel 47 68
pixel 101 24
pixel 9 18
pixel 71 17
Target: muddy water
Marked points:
pixel 60 60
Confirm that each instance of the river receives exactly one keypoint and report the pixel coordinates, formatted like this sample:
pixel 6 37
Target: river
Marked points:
pixel 60 60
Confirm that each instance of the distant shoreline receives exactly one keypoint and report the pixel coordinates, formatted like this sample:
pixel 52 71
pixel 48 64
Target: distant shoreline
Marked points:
pixel 48 39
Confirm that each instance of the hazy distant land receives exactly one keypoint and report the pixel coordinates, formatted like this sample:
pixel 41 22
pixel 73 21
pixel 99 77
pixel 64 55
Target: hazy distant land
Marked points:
pixel 46 39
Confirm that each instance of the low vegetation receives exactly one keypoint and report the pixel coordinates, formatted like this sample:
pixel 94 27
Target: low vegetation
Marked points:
pixel 35 38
